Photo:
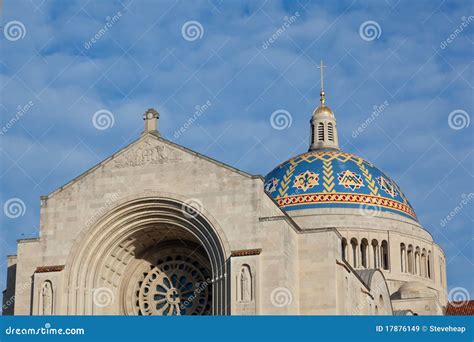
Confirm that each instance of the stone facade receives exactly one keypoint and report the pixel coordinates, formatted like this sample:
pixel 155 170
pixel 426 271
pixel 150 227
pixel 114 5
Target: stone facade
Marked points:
pixel 159 229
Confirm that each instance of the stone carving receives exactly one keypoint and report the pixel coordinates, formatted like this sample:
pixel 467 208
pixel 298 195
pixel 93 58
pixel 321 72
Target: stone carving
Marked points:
pixel 146 152
pixel 245 293
pixel 46 299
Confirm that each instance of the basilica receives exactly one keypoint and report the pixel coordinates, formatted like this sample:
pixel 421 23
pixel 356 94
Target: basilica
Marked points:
pixel 159 229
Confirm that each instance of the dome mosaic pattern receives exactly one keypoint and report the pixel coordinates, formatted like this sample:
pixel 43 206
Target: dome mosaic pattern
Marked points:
pixel 333 179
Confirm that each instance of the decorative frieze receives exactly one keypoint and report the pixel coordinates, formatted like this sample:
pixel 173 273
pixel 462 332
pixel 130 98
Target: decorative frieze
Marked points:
pixel 146 152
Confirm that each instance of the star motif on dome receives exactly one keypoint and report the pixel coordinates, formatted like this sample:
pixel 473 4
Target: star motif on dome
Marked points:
pixel 306 180
pixel 350 180
pixel 334 179
pixel 387 186
pixel 271 185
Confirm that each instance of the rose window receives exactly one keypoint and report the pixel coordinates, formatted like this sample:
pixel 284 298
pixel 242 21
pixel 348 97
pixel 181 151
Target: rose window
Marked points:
pixel 176 285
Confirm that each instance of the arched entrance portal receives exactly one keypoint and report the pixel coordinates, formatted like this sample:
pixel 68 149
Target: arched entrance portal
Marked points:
pixel 173 278
pixel 149 256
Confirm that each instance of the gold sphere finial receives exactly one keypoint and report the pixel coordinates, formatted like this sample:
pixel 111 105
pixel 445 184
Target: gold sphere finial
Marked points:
pixel 322 99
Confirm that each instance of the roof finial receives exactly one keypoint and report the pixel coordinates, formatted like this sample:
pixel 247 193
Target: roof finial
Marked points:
pixel 151 117
pixel 323 123
pixel 322 93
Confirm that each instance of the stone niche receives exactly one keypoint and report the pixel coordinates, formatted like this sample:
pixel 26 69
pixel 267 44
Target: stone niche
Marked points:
pixel 245 281
pixel 46 290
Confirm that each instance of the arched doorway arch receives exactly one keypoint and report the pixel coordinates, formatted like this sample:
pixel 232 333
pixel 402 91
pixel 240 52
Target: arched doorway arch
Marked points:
pixel 101 258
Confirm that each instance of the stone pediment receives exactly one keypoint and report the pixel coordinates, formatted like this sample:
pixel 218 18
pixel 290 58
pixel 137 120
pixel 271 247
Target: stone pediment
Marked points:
pixel 150 149
pixel 147 151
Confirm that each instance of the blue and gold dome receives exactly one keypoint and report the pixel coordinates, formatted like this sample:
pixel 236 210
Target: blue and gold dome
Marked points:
pixel 334 179
pixel 325 177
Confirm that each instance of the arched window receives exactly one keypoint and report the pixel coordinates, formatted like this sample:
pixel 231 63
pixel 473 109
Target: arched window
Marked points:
pixel 375 253
pixel 354 252
pixel 363 252
pixel 417 261
pixel 344 248
pixel 428 264
pixel 312 134
pixel 330 132
pixel 424 272
pixel 403 258
pixel 384 248
pixel 410 259
pixel 320 131
pixel 244 284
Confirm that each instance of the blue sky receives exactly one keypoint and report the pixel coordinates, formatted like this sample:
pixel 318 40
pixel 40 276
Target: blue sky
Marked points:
pixel 422 138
